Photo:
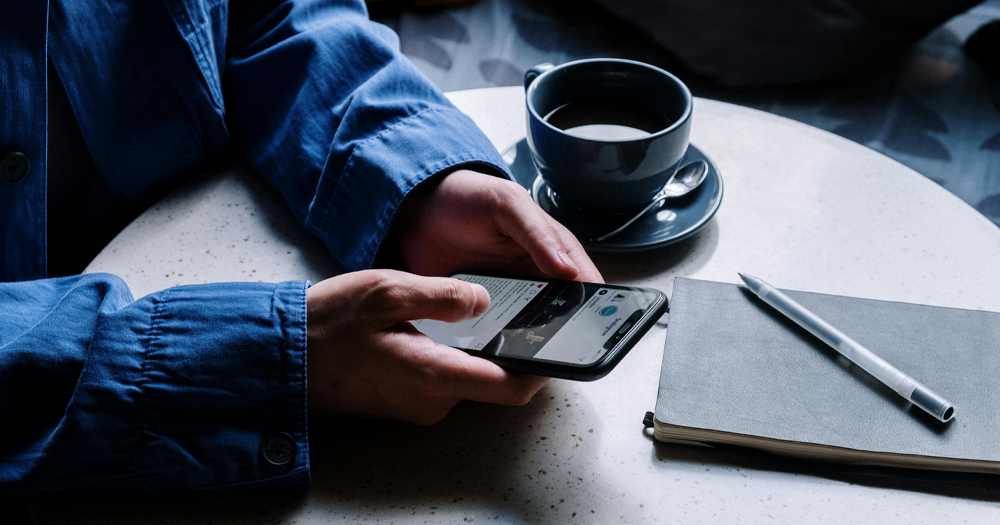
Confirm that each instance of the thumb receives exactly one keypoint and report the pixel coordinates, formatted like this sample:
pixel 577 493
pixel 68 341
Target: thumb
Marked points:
pixel 405 297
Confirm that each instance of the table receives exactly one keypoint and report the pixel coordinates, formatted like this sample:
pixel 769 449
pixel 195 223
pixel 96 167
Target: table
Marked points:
pixel 803 208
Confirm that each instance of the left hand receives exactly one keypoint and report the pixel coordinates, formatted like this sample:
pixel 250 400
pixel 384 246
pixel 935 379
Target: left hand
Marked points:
pixel 366 359
pixel 473 222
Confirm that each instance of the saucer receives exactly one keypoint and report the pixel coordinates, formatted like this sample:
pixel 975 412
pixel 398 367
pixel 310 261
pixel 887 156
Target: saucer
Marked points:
pixel 676 220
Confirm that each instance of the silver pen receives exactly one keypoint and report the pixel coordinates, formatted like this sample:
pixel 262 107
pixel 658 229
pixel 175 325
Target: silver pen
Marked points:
pixel 892 377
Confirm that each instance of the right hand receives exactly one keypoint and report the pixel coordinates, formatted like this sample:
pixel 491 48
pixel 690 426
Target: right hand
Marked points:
pixel 474 222
pixel 366 360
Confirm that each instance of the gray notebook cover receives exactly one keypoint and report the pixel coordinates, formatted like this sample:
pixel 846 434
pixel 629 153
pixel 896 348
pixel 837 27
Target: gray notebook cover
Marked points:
pixel 732 364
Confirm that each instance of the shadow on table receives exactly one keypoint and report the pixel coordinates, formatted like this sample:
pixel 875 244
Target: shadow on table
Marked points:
pixel 681 258
pixel 980 487
pixel 482 459
pixel 513 463
pixel 257 506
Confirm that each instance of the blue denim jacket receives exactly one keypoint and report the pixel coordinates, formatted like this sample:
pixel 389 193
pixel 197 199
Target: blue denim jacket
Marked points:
pixel 198 386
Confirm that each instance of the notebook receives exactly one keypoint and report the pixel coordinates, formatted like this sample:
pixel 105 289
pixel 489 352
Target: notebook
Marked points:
pixel 736 372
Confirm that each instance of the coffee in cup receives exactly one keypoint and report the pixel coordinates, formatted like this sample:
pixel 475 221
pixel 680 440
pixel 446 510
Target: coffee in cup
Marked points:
pixel 608 119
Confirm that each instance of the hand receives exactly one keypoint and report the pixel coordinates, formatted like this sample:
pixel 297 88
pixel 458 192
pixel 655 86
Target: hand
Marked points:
pixel 365 359
pixel 473 222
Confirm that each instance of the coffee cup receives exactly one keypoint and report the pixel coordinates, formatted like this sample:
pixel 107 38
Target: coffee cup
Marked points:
pixel 606 134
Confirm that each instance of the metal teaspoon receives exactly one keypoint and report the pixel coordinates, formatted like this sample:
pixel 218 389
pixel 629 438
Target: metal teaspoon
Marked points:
pixel 681 183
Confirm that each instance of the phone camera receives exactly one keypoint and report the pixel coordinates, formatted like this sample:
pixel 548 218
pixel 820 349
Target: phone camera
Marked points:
pixel 602 292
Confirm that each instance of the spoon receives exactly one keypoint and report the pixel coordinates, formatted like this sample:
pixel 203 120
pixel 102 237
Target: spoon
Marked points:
pixel 684 181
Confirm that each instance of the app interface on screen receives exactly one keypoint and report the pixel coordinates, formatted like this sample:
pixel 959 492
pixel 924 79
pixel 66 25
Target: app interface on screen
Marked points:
pixel 574 323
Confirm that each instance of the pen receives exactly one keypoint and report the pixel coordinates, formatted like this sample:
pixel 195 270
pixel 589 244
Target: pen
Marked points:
pixel 892 377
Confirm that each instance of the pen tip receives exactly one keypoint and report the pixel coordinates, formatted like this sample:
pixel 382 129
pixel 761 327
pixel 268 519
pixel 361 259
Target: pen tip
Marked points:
pixel 741 275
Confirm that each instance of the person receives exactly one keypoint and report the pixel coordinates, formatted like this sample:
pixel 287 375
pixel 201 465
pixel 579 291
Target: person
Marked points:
pixel 105 104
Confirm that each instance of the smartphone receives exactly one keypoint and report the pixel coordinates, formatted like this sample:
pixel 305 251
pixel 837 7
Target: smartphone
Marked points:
pixel 564 329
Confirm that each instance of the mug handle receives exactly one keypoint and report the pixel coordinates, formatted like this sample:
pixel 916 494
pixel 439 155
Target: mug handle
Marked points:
pixel 531 74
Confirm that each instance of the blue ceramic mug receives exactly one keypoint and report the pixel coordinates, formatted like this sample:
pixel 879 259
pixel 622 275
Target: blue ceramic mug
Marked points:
pixel 606 134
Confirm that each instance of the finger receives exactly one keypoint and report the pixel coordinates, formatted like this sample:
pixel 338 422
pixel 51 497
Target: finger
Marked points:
pixel 395 297
pixel 526 223
pixel 477 379
pixel 588 271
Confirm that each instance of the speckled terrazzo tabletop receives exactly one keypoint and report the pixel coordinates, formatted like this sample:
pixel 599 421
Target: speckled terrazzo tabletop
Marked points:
pixel 803 208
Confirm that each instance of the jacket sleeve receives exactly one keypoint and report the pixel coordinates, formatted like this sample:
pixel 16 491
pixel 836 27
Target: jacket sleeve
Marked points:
pixel 323 105
pixel 194 387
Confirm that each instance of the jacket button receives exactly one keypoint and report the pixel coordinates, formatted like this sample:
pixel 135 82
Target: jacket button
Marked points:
pixel 13 167
pixel 279 449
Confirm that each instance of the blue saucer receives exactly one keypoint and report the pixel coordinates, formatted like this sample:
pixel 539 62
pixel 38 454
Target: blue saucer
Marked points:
pixel 676 220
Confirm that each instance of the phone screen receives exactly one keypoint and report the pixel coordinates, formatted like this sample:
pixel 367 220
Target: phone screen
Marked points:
pixel 558 321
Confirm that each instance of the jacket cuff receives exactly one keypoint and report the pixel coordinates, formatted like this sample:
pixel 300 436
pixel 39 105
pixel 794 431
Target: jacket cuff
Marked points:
pixel 383 169
pixel 219 387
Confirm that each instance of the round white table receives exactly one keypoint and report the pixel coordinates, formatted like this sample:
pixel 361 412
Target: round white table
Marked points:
pixel 803 209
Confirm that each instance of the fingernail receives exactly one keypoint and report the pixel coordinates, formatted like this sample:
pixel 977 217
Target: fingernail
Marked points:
pixel 482 299
pixel 564 257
